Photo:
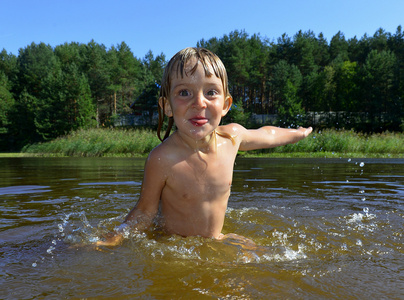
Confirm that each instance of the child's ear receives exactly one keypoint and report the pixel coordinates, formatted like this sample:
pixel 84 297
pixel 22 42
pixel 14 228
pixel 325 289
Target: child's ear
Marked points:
pixel 227 104
pixel 165 106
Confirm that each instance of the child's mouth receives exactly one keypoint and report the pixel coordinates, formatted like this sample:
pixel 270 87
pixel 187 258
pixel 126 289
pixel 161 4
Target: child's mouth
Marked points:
pixel 198 121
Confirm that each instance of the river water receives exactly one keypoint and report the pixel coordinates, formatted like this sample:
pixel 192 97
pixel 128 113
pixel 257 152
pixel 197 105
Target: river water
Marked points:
pixel 325 229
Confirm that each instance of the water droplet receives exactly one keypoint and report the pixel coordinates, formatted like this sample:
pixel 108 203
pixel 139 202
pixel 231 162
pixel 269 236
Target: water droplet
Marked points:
pixel 361 164
pixel 93 239
pixel 34 264
pixel 361 192
pixel 349 160
pixel 366 210
pixel 363 199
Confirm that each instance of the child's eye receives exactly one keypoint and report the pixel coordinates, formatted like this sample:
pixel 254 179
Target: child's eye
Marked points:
pixel 212 93
pixel 183 93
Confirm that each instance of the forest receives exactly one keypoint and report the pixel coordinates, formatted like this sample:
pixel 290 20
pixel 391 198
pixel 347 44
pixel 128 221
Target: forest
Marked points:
pixel 352 83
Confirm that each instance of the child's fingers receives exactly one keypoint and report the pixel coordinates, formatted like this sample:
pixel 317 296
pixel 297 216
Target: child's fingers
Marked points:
pixel 308 131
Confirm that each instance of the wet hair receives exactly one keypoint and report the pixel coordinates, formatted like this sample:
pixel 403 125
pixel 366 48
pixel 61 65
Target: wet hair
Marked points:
pixel 176 66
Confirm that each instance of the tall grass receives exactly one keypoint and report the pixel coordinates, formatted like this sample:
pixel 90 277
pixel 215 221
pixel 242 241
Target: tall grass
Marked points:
pixel 346 142
pixel 135 142
pixel 99 142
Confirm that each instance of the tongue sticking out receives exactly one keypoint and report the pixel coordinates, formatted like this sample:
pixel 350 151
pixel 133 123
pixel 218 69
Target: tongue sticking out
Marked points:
pixel 199 121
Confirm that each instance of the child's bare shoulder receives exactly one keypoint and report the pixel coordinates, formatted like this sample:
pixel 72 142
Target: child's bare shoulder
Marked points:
pixel 235 130
pixel 164 152
pixel 232 128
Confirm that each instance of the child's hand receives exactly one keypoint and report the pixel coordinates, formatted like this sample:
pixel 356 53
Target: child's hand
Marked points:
pixel 111 239
pixel 305 131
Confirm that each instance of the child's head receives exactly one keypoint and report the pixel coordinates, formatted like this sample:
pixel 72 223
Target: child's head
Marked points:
pixel 176 67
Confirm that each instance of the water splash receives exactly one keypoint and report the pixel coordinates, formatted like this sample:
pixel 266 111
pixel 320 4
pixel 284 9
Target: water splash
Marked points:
pixel 76 229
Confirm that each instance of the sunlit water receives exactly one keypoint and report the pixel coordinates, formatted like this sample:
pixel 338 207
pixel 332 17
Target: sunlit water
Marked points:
pixel 324 229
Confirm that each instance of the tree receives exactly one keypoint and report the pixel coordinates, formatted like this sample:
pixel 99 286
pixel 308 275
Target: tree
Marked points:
pixel 8 65
pixel 377 84
pixel 345 79
pixel 6 103
pixel 290 111
pixel 321 54
pixel 147 101
pixel 304 47
pixel 151 73
pixel 155 65
pixel 285 84
pixel 98 75
pixel 338 46
pixel 35 64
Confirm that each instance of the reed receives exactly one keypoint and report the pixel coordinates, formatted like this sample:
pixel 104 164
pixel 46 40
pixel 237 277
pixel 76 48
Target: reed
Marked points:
pixel 139 142
pixel 98 142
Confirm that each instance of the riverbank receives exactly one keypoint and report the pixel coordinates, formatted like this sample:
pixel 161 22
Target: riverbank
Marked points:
pixel 241 154
pixel 13 154
pixel 138 143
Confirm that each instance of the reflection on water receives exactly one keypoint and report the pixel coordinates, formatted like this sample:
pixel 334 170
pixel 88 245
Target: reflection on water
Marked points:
pixel 324 228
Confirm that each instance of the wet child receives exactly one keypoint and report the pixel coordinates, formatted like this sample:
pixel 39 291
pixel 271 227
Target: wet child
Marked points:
pixel 188 176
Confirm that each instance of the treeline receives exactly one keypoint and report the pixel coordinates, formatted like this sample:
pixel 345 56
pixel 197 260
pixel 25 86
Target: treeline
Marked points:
pixel 363 79
pixel 47 92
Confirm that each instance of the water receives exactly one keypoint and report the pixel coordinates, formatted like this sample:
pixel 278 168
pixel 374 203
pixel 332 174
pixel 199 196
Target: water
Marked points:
pixel 325 229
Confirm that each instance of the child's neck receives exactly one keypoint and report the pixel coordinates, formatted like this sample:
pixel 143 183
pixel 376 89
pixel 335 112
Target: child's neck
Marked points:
pixel 206 145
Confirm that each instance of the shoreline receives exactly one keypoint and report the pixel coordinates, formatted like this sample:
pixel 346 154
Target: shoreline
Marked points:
pixel 241 154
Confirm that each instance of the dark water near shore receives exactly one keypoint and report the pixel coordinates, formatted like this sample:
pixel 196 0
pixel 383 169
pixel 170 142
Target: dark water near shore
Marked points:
pixel 326 229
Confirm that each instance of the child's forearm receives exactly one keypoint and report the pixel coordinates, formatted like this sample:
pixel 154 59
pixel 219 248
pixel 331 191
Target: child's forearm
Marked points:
pixel 284 136
pixel 138 219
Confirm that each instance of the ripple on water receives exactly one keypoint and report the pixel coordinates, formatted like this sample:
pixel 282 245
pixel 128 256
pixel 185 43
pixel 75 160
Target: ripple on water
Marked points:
pixel 24 189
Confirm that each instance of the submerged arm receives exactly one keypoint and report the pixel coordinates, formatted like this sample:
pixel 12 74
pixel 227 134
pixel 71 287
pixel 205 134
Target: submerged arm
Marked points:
pixel 142 215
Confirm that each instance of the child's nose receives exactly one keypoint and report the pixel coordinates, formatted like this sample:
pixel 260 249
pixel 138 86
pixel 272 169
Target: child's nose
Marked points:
pixel 200 101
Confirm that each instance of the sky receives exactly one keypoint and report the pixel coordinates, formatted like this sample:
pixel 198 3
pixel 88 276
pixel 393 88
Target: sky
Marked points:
pixel 167 26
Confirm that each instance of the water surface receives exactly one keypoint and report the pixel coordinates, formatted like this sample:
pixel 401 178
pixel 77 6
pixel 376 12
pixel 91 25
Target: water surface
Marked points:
pixel 325 228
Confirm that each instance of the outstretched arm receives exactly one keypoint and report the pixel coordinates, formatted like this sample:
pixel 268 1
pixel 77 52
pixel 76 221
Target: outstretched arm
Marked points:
pixel 142 215
pixel 270 137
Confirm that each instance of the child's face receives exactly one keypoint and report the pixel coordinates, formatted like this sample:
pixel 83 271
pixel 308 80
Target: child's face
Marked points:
pixel 197 102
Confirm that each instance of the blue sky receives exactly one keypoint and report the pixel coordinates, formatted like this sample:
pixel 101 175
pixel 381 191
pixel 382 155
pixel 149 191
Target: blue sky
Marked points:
pixel 165 26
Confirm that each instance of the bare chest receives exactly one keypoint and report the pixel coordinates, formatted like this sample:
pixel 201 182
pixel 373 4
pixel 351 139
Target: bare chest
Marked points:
pixel 198 175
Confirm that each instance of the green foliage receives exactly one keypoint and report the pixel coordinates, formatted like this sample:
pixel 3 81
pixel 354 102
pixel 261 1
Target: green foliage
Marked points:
pixel 147 101
pixel 6 104
pixel 290 109
pixel 98 142
pixel 237 114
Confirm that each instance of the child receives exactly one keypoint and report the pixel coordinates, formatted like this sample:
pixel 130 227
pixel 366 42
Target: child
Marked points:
pixel 189 175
